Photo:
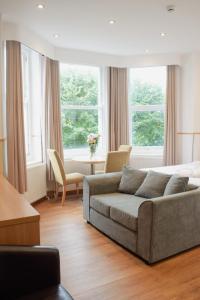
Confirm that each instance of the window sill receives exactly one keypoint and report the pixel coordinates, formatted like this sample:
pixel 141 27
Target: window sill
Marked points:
pixel 71 153
pixel 147 156
pixel 34 165
pixel 147 151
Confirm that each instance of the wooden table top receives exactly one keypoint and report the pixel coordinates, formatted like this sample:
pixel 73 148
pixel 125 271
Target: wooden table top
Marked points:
pixel 87 160
pixel 14 208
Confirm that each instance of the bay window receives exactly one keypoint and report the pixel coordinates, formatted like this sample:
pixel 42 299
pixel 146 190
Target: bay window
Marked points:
pixel 82 107
pixel 147 90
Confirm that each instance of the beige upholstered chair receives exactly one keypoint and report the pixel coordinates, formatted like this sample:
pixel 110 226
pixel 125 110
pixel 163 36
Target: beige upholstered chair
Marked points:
pixel 115 161
pixel 61 178
pixel 125 148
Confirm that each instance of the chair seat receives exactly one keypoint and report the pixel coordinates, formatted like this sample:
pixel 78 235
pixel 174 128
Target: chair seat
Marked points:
pixel 73 178
pixel 99 172
pixel 52 293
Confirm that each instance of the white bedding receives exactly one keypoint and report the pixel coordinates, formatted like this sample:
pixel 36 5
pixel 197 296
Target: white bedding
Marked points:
pixel 191 170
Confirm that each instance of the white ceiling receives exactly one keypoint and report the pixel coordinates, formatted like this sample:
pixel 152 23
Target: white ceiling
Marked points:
pixel 83 24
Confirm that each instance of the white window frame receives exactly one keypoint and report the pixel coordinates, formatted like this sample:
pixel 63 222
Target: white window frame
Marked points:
pixel 30 161
pixel 27 101
pixel 144 150
pixel 101 107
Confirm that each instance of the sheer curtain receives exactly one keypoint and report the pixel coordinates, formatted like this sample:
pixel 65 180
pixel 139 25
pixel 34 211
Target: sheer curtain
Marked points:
pixel 53 132
pixel 170 117
pixel 16 155
pixel 118 107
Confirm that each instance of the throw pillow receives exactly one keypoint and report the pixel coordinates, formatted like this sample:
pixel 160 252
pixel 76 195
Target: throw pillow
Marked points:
pixel 131 180
pixel 153 186
pixel 176 184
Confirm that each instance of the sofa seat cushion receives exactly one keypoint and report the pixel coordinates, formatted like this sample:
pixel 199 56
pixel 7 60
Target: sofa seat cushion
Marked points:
pixel 121 208
pixel 102 203
pixel 126 213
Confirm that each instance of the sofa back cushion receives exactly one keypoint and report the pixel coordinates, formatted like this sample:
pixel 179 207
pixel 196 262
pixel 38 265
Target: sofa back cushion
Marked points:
pixel 176 184
pixel 191 187
pixel 131 180
pixel 153 186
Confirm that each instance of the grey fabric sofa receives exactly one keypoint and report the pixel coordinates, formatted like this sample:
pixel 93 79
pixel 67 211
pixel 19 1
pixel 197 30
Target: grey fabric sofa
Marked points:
pixel 152 229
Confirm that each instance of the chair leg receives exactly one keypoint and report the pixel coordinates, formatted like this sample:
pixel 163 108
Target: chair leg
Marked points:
pixel 57 190
pixel 77 189
pixel 64 195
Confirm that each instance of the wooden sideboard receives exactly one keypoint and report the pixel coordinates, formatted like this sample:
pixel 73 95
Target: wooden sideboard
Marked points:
pixel 19 221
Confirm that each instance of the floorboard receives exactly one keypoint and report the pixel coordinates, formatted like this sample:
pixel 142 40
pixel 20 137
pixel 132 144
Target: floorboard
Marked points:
pixel 95 268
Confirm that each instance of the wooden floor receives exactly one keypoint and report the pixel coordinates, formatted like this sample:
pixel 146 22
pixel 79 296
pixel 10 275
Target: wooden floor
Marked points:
pixel 95 268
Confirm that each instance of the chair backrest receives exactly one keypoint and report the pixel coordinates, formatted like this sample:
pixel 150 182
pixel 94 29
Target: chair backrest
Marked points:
pixel 57 166
pixel 125 148
pixel 116 160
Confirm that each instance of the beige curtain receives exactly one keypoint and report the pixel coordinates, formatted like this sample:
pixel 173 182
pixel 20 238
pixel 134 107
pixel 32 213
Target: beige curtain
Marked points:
pixel 118 107
pixel 53 132
pixel 16 155
pixel 170 117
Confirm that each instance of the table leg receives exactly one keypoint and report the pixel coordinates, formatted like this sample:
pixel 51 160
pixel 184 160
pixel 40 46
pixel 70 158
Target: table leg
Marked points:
pixel 92 171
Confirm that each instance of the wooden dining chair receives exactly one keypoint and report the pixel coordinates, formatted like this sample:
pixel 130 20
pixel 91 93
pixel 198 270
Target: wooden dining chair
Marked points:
pixel 115 161
pixel 61 178
pixel 125 148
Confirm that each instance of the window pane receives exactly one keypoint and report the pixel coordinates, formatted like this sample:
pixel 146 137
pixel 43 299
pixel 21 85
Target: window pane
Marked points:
pixel 77 124
pixel 147 128
pixel 147 86
pixel 32 96
pixel 26 129
pixel 79 85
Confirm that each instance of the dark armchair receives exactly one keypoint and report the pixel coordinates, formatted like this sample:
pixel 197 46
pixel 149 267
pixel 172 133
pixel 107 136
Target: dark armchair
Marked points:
pixel 30 273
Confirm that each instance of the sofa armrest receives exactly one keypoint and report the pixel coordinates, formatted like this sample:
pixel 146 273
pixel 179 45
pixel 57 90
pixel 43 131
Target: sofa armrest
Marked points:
pixel 98 184
pixel 168 225
pixel 27 269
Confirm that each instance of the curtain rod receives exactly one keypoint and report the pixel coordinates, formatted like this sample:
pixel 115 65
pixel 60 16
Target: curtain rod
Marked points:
pixel 33 49
pixel 30 48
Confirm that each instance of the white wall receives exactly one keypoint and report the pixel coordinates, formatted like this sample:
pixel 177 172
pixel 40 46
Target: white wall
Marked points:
pixel 12 31
pixel 36 181
pixel 151 60
pixel 100 59
pixel 189 120
pixel 72 56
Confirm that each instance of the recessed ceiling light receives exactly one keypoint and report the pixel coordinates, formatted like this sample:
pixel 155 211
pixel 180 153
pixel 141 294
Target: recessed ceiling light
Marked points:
pixel 147 51
pixel 56 35
pixel 163 34
pixel 111 22
pixel 40 6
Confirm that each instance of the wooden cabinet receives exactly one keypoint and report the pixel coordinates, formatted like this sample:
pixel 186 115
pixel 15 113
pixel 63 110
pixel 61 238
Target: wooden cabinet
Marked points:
pixel 19 221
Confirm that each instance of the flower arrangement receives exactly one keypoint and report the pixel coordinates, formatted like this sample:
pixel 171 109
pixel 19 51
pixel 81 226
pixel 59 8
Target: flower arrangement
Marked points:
pixel 92 141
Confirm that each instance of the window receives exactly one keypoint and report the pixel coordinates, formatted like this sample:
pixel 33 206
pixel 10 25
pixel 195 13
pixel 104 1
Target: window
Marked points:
pixel 82 106
pixel 32 94
pixel 147 99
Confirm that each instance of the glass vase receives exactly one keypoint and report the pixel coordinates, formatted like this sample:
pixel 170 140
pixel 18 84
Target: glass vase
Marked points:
pixel 93 148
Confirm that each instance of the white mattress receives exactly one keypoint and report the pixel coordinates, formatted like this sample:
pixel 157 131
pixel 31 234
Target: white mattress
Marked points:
pixel 191 170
